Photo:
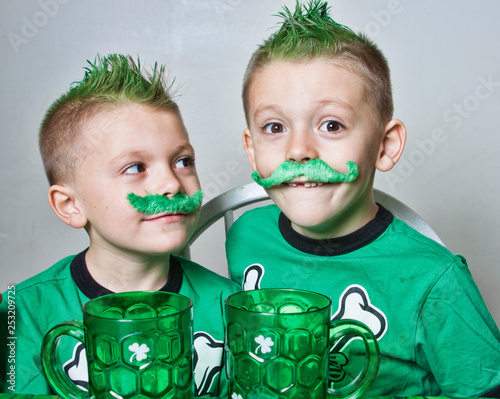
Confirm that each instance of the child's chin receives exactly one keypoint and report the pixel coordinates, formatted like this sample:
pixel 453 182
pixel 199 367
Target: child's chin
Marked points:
pixel 304 211
pixel 168 244
pixel 164 250
pixel 306 220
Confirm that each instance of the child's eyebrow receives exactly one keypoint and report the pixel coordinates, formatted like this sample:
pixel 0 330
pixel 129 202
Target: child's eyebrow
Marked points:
pixel 129 156
pixel 336 103
pixel 185 147
pixel 267 108
pixel 274 108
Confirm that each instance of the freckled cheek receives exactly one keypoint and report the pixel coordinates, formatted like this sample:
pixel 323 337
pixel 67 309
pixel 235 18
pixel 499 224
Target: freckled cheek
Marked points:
pixel 109 204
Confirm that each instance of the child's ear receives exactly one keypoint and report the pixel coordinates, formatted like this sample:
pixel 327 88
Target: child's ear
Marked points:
pixel 391 145
pixel 248 144
pixel 63 202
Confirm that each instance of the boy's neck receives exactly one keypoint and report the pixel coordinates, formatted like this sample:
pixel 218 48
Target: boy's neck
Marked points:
pixel 122 272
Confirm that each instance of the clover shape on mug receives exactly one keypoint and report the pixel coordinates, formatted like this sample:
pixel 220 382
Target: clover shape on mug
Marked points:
pixel 139 351
pixel 236 396
pixel 264 344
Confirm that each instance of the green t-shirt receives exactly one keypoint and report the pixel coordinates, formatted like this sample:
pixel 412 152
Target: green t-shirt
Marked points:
pixel 58 294
pixel 435 334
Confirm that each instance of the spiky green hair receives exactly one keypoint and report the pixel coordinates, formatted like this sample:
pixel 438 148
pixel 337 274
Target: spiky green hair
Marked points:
pixel 117 78
pixel 309 32
pixel 108 82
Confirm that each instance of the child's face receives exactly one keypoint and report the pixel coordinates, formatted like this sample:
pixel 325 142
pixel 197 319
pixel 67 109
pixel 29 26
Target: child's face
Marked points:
pixel 303 111
pixel 135 149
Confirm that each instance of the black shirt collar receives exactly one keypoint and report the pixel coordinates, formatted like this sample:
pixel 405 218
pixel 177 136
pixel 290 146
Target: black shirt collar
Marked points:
pixel 92 289
pixel 340 245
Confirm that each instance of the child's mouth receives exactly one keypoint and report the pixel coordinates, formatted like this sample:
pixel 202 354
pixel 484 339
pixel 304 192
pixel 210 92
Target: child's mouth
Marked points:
pixel 167 217
pixel 306 184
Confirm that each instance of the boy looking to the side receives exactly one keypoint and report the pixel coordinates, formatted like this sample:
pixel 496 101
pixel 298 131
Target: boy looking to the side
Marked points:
pixel 318 105
pixel 120 165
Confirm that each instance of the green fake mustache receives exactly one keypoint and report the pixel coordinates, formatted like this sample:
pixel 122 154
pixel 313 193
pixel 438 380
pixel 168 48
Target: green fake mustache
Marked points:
pixel 316 170
pixel 157 203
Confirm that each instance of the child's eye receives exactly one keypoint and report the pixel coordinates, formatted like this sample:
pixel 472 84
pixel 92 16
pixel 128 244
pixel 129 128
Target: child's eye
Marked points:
pixel 330 126
pixel 134 169
pixel 184 162
pixel 274 127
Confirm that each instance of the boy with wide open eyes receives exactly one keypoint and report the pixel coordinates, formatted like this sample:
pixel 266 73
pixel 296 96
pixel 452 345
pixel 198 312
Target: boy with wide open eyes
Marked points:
pixel 318 105
pixel 120 165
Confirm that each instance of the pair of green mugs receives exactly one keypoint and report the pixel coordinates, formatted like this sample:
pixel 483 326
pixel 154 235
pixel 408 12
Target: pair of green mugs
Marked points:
pixel 277 345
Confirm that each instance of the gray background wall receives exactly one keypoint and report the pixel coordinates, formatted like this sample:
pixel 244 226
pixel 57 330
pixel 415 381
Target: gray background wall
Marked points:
pixel 444 57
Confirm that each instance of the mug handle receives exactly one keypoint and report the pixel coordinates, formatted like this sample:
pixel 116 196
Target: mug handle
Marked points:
pixel 51 363
pixel 356 388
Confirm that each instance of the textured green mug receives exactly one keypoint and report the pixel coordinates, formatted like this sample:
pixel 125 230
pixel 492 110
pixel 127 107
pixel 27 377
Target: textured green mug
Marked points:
pixel 278 345
pixel 138 344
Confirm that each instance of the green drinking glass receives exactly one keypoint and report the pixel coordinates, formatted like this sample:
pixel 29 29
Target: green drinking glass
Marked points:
pixel 278 345
pixel 138 345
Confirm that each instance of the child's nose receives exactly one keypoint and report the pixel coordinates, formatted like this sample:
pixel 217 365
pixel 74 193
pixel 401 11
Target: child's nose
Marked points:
pixel 167 184
pixel 301 147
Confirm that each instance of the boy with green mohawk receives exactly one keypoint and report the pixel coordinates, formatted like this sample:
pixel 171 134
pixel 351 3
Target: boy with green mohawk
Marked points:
pixel 120 165
pixel 318 105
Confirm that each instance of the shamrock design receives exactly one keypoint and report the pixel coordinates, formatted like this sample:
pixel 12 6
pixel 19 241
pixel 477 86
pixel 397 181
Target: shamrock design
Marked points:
pixel 336 363
pixel 264 344
pixel 236 396
pixel 139 351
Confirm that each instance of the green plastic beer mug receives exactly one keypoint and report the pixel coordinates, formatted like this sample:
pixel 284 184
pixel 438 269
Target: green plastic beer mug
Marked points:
pixel 278 345
pixel 138 344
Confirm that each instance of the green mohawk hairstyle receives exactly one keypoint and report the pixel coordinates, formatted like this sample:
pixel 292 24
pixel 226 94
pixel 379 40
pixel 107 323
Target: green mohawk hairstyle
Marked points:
pixel 308 33
pixel 108 82
pixel 116 78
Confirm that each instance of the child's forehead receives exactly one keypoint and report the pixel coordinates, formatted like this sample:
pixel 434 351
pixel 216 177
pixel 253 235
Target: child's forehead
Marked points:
pixel 314 70
pixel 132 127
pixel 320 78
pixel 328 78
pixel 107 119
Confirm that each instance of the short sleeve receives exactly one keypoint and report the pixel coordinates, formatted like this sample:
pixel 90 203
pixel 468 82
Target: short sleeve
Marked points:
pixel 457 338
